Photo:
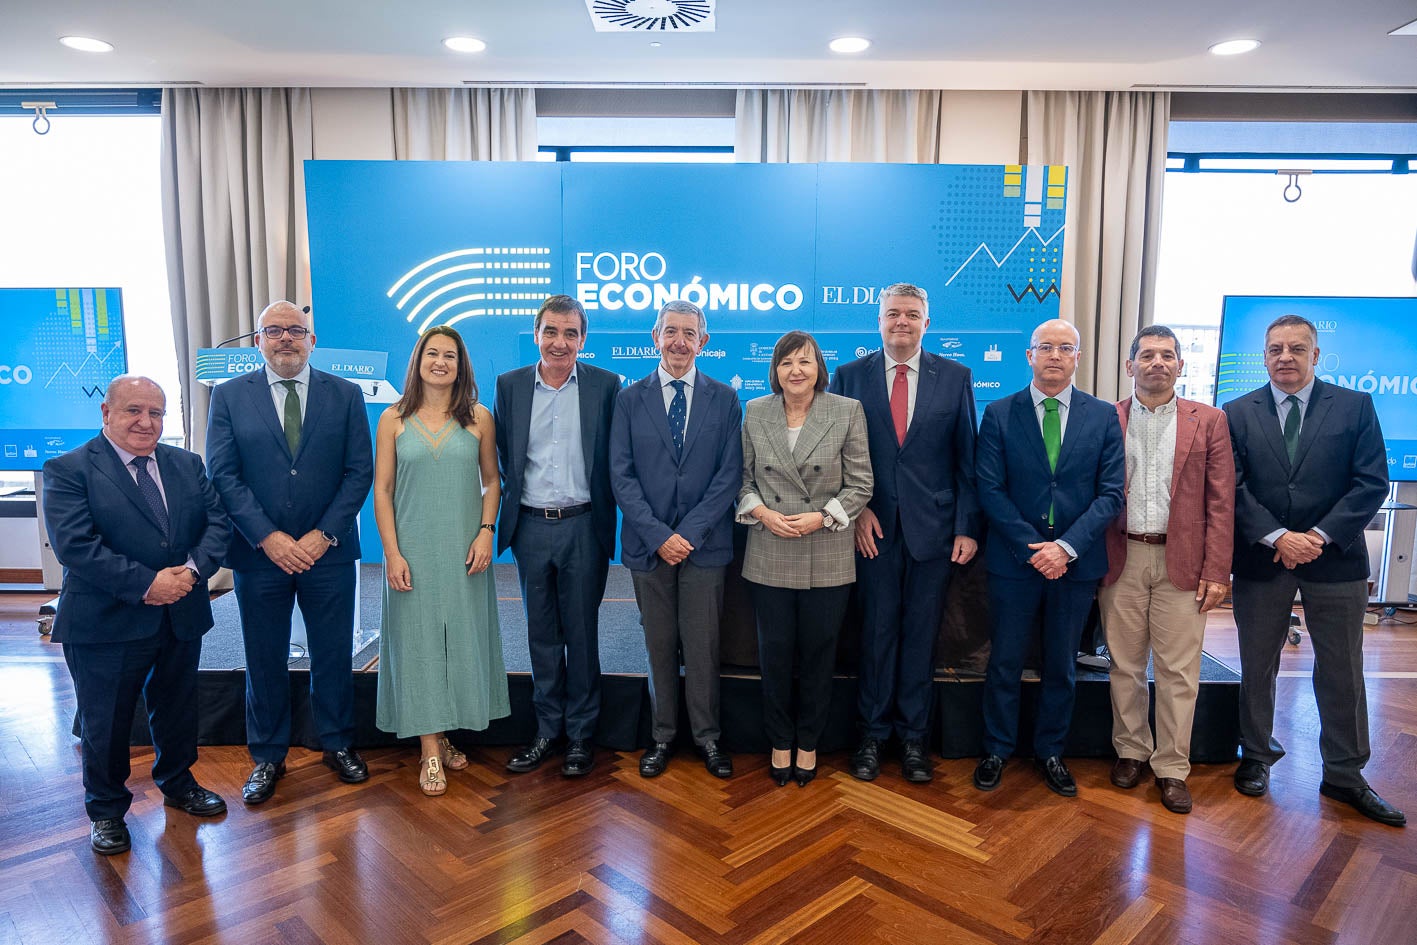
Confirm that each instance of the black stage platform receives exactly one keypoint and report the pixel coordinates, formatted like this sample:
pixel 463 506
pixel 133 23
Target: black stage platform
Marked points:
pixel 625 712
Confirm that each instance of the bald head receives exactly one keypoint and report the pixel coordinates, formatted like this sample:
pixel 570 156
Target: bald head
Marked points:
pixel 285 354
pixel 133 409
pixel 1053 355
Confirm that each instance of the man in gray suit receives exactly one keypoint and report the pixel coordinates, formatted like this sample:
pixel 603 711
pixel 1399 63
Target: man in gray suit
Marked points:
pixel 1311 471
pixel 676 461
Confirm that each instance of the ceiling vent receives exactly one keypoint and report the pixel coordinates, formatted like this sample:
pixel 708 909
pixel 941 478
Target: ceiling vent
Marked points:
pixel 652 16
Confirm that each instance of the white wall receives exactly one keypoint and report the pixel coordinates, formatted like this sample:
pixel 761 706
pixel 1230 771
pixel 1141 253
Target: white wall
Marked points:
pixel 353 124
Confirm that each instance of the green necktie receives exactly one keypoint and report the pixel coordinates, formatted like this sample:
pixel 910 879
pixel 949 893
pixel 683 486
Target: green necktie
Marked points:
pixel 1291 426
pixel 292 416
pixel 1052 439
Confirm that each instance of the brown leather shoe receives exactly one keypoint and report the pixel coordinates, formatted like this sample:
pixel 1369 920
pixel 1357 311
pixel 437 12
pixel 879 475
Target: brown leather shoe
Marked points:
pixel 1126 773
pixel 1175 796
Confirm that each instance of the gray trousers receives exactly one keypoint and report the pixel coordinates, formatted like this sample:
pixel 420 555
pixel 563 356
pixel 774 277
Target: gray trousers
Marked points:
pixel 1333 613
pixel 680 607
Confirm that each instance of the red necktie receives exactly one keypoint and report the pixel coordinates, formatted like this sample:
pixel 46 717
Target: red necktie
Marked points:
pixel 900 401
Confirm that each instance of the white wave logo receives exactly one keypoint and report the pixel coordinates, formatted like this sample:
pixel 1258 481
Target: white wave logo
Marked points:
pixel 496 280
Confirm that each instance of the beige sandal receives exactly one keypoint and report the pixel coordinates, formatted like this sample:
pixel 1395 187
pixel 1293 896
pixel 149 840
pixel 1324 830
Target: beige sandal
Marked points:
pixel 430 776
pixel 454 759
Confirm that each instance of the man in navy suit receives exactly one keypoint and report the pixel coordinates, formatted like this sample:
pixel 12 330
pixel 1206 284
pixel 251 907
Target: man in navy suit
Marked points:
pixel 289 452
pixel 922 518
pixel 676 463
pixel 558 517
pixel 138 530
pixel 1051 473
pixel 1311 471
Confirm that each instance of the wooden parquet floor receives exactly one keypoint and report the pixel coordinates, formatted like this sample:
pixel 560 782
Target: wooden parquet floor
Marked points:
pixel 684 858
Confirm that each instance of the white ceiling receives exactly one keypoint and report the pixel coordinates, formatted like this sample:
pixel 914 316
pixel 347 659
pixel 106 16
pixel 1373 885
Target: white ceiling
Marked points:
pixel 1023 44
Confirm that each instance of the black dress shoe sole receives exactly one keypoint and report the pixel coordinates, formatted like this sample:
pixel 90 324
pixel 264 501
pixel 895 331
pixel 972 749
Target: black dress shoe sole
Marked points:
pixel 865 774
pixel 576 771
pixel 652 771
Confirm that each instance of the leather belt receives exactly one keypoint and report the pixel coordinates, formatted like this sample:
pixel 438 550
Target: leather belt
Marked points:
pixel 1148 539
pixel 570 511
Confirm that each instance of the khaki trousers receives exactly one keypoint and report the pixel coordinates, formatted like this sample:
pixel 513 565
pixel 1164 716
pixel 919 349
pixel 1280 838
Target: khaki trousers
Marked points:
pixel 1145 613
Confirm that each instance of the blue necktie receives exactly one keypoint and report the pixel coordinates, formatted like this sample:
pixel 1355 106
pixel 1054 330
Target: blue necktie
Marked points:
pixel 678 410
pixel 148 487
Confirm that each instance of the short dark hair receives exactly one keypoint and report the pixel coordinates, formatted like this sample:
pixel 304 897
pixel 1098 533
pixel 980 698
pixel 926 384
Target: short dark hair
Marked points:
pixel 791 343
pixel 1154 331
pixel 560 305
pixel 1292 321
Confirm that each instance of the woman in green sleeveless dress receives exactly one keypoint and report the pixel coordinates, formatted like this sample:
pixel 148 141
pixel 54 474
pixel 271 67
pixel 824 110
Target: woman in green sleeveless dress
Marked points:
pixel 440 663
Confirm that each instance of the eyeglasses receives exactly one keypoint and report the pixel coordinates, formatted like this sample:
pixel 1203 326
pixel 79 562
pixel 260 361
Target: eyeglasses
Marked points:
pixel 273 332
pixel 1044 348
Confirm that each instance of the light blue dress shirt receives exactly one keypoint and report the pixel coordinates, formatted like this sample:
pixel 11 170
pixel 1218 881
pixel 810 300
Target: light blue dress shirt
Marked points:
pixel 555 476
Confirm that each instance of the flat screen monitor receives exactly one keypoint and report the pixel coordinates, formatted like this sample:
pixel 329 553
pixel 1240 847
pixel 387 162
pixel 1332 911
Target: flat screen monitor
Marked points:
pixel 1366 343
pixel 59 349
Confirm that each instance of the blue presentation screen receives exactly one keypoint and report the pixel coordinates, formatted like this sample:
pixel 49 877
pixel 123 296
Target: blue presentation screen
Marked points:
pixel 398 246
pixel 1367 344
pixel 59 350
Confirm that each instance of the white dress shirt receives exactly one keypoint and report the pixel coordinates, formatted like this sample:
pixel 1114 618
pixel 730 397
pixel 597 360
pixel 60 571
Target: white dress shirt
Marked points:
pixel 1151 455
pixel 912 382
pixel 279 391
pixel 667 389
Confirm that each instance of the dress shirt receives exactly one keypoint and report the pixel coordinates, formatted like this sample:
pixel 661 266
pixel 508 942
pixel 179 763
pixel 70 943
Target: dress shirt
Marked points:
pixel 912 382
pixel 1064 398
pixel 1282 408
pixel 279 391
pixel 125 458
pixel 689 378
pixel 555 476
pixel 1151 453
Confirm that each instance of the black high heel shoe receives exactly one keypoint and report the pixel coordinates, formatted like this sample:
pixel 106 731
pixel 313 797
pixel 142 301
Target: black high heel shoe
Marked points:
pixel 779 776
pixel 803 776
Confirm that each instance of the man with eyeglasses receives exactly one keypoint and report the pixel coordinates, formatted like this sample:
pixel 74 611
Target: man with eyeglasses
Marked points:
pixel 289 452
pixel 1050 475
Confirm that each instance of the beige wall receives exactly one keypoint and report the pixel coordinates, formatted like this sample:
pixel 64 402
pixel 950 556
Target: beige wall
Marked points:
pixel 353 124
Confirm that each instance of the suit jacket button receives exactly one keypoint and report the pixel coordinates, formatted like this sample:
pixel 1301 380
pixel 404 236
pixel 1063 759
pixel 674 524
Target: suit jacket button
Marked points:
pixel 816 469
pixel 294 472
pixel 777 498
pixel 806 498
pixel 163 544
pixel 1292 487
pixel 767 469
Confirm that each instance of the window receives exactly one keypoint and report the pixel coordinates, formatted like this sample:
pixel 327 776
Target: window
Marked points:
pixel 1227 228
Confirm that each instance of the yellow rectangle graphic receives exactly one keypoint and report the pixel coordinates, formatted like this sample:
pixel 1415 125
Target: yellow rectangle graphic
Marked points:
pixel 1055 191
pixel 1057 173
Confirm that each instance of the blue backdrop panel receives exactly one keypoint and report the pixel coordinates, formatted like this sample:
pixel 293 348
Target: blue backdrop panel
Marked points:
pixel 763 248
pixel 59 350
pixel 1364 343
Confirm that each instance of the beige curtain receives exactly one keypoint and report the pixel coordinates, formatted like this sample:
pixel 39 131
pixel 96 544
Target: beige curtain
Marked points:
pixel 233 204
pixel 792 125
pixel 464 124
pixel 1114 144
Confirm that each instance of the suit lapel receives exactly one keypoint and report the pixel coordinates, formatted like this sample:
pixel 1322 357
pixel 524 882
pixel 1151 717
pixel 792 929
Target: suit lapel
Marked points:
pixel 876 399
pixel 263 405
pixel 590 419
pixel 703 401
pixel 1269 423
pixel 108 463
pixel 1320 401
pixel 1025 420
pixel 925 387
pixel 813 429
pixel 1078 414
pixel 171 488
pixel 1187 423
pixel 777 436
pixel 316 397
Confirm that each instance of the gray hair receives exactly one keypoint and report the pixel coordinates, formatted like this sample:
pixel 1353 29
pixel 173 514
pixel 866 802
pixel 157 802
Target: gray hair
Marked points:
pixel 909 291
pixel 1154 331
pixel 681 307
pixel 1292 321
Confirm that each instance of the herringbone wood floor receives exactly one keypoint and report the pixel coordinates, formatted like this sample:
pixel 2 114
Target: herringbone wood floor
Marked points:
pixel 688 859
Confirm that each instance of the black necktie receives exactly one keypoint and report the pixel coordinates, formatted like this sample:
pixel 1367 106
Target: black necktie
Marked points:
pixel 1291 426
pixel 148 487
pixel 678 410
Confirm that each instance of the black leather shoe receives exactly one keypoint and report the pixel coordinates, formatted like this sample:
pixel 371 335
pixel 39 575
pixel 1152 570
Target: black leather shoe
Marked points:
pixel 865 762
pixel 1057 776
pixel 198 801
pixel 780 776
pixel 348 765
pixel 915 762
pixel 531 757
pixel 988 772
pixel 579 758
pixel 1366 802
pixel 718 762
pixel 1252 777
pixel 262 782
pixel 109 837
pixel 655 760
pixel 803 776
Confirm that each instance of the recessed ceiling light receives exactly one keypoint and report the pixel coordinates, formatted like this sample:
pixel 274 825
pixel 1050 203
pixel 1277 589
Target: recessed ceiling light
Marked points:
pixel 849 44
pixel 464 44
pixel 655 45
pixel 85 44
pixel 1233 47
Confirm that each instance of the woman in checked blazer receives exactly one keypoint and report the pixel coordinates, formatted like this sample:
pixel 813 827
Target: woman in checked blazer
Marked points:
pixel 806 476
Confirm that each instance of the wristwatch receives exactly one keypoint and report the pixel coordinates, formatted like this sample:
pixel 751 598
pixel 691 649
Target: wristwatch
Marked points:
pixel 827 520
pixel 196 575
pixel 334 542
pixel 489 526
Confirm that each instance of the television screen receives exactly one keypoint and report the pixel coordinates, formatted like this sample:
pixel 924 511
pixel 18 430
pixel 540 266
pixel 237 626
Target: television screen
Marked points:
pixel 59 350
pixel 1368 344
